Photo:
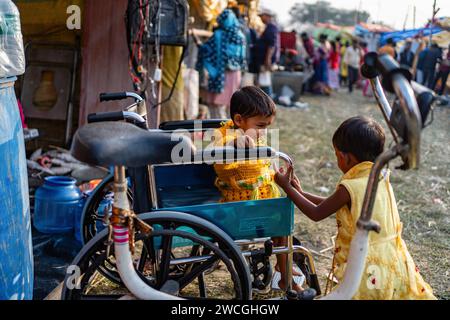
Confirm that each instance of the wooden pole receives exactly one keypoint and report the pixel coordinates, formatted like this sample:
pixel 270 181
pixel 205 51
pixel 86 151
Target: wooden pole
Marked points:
pixel 406 19
pixel 316 13
pixel 432 21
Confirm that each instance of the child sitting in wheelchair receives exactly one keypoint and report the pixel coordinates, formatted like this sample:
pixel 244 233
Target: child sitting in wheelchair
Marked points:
pixel 252 112
pixel 390 272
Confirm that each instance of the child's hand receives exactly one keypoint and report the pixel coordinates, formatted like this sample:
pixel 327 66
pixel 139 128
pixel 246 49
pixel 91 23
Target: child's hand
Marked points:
pixel 283 179
pixel 295 182
pixel 244 142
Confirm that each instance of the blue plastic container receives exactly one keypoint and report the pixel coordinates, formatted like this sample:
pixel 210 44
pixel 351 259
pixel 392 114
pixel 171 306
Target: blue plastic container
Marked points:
pixel 16 250
pixel 56 204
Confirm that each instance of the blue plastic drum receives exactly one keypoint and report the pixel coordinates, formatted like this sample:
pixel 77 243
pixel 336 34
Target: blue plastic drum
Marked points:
pixel 16 250
pixel 56 204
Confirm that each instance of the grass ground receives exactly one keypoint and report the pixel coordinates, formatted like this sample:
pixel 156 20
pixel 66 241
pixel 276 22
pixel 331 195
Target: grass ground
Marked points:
pixel 423 196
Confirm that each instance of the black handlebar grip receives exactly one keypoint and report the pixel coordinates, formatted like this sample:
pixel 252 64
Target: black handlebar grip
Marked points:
pixel 105 116
pixel 369 68
pixel 388 67
pixel 113 96
pixel 384 65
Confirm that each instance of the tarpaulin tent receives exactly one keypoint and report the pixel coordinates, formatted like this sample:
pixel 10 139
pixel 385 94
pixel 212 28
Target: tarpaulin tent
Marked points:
pixel 407 34
pixel 333 31
pixel 370 33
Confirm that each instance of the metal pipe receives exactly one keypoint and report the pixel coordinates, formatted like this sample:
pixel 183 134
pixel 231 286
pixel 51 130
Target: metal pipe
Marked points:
pixel 133 116
pixel 413 119
pixel 289 263
pixel 383 103
pixel 134 95
pixel 278 250
pixel 371 189
pixel 124 261
pixel 378 91
pixel 354 268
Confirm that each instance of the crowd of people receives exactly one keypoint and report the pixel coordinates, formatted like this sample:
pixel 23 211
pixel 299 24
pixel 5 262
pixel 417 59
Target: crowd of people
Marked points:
pixel 236 50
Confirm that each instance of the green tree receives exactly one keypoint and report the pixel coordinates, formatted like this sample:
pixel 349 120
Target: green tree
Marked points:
pixel 323 11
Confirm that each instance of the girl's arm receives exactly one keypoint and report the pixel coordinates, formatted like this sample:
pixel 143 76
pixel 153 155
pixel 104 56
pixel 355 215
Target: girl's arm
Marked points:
pixel 311 197
pixel 313 211
pixel 325 209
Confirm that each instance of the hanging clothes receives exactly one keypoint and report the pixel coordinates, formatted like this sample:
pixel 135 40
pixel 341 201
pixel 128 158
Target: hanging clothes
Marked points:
pixel 224 51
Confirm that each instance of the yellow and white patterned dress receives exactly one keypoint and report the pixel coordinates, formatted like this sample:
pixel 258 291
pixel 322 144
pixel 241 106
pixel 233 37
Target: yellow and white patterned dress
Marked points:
pixel 243 180
pixel 390 272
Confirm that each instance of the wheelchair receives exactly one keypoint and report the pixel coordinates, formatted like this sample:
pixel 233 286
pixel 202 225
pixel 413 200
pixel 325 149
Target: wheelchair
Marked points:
pixel 176 240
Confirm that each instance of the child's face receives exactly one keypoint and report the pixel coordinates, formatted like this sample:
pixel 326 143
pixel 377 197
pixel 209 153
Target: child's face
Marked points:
pixel 256 126
pixel 345 160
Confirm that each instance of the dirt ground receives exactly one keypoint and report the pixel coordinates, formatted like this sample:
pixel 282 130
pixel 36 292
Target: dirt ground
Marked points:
pixel 423 196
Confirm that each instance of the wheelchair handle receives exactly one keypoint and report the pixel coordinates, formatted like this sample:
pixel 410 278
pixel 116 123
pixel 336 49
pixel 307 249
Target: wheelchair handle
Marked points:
pixel 398 81
pixel 130 117
pixel 114 96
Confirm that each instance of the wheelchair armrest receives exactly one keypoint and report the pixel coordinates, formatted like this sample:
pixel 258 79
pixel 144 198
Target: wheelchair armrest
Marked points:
pixel 230 155
pixel 192 125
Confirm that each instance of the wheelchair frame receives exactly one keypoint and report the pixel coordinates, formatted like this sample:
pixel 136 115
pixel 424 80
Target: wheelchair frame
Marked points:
pixel 405 122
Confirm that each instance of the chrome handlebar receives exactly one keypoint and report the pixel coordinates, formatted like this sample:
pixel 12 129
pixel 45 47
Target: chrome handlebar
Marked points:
pixel 404 118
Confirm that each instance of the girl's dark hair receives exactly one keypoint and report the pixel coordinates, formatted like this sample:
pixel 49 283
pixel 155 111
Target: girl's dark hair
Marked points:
pixel 361 136
pixel 250 102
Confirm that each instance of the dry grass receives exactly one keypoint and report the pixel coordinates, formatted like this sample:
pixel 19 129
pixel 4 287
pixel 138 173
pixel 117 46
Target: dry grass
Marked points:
pixel 423 196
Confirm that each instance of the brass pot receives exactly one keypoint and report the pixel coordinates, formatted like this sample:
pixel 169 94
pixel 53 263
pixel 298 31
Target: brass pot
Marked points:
pixel 46 95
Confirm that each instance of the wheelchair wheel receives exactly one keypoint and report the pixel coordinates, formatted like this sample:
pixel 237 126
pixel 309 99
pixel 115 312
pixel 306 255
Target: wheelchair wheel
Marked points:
pixel 92 215
pixel 201 258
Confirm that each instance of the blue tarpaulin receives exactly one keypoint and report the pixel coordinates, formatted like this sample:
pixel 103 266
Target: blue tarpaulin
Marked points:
pixel 406 34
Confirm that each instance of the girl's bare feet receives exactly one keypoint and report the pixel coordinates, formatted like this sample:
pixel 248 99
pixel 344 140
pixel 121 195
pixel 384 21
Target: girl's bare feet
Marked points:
pixel 294 271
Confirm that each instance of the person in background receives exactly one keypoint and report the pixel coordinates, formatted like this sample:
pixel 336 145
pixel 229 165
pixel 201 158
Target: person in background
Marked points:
pixel 172 110
pixel 420 66
pixel 268 46
pixel 320 79
pixel 223 57
pixel 352 59
pixel 365 82
pixel 442 75
pixel 308 44
pixel 344 68
pixel 431 59
pixel 308 47
pixel 389 48
pixel 250 41
pixel 407 56
pixel 333 71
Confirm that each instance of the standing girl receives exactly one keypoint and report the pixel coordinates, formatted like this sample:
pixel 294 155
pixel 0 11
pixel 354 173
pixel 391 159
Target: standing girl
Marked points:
pixel 390 272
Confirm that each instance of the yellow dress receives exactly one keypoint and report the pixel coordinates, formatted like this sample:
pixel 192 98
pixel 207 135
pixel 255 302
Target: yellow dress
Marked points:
pixel 390 272
pixel 243 180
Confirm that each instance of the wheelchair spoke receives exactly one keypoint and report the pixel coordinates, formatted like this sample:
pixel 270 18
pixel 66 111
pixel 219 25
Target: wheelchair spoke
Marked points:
pixel 201 285
pixel 165 260
pixel 197 271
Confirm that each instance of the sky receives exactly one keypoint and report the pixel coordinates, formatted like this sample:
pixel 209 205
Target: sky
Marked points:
pixel 392 12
